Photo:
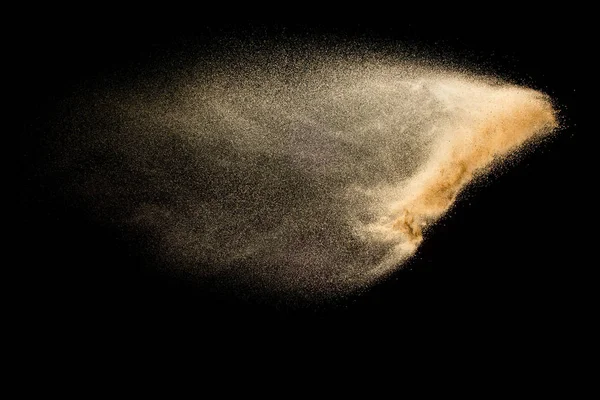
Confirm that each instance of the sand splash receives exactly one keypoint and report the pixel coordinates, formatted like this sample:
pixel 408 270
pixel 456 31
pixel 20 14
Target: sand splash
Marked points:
pixel 315 176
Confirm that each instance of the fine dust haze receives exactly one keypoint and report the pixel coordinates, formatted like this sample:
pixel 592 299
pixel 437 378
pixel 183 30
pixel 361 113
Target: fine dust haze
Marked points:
pixel 310 175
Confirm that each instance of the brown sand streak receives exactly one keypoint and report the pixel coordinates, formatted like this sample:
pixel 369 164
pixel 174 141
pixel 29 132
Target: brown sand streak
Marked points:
pixel 495 131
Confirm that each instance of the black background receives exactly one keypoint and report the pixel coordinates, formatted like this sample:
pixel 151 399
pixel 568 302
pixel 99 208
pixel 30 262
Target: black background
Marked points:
pixel 509 247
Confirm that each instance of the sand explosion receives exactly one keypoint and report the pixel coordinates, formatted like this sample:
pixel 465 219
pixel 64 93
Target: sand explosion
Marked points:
pixel 310 176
